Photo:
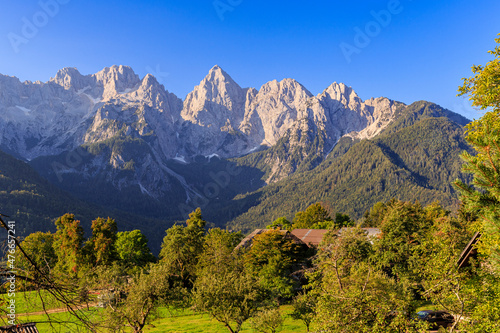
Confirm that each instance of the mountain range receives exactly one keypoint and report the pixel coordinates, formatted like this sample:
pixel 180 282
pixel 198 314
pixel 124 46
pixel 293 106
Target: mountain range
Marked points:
pixel 114 140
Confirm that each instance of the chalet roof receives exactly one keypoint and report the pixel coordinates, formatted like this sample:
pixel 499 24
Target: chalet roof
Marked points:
pixel 247 241
pixel 309 237
pixel 469 251
pixel 315 236
pixel 21 328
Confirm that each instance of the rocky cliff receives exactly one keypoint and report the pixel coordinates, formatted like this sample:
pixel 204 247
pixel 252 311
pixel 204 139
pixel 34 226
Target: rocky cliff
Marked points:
pixel 144 126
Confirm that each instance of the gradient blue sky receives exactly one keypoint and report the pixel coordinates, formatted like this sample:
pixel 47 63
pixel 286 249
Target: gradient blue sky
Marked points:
pixel 421 54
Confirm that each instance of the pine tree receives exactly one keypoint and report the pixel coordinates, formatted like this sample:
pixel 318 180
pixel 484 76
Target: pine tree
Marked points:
pixel 482 197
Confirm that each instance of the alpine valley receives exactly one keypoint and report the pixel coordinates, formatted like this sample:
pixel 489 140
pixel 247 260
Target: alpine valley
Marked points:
pixel 114 144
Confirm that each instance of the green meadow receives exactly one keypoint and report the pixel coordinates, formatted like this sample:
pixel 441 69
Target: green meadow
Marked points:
pixel 181 320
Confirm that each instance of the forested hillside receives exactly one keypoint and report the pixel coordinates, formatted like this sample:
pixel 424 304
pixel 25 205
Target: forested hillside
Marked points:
pixel 416 158
pixel 34 204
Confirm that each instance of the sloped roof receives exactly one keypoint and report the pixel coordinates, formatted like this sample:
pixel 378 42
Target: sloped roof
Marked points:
pixel 469 251
pixel 312 237
pixel 247 241
pixel 21 328
pixel 309 237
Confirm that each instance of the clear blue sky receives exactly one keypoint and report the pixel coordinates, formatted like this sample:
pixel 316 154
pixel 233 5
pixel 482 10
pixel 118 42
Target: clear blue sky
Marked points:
pixel 422 53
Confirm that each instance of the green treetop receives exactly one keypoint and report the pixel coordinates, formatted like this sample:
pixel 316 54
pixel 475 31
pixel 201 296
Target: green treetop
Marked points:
pixel 482 197
pixel 132 248
pixel 484 87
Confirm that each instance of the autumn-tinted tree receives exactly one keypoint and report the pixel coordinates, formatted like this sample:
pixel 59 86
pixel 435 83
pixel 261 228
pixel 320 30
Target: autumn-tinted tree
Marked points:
pixel 68 242
pixel 101 245
pixel 52 285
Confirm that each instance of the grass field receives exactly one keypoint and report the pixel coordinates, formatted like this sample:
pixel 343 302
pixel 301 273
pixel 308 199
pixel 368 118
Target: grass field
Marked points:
pixel 57 322
pixel 30 301
pixel 189 321
pixel 181 321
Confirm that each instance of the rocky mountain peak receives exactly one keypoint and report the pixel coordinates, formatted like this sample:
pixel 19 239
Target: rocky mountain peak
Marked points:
pixel 151 92
pixel 218 81
pixel 149 80
pixel 116 73
pixel 217 98
pixel 150 84
pixel 70 78
pixel 340 92
pixel 218 74
pixel 116 79
pixel 286 88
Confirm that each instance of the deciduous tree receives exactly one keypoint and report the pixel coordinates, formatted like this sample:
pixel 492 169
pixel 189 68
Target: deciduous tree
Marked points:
pixel 101 245
pixel 270 259
pixel 39 247
pixel 223 288
pixel 132 248
pixel 403 229
pixel 268 321
pixel 352 294
pixel 68 242
pixel 313 214
pixel 134 302
pixel 282 223
pixel 182 247
pixel 304 308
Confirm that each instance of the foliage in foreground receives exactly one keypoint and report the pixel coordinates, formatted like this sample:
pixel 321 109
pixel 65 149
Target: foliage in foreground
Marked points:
pixel 357 284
